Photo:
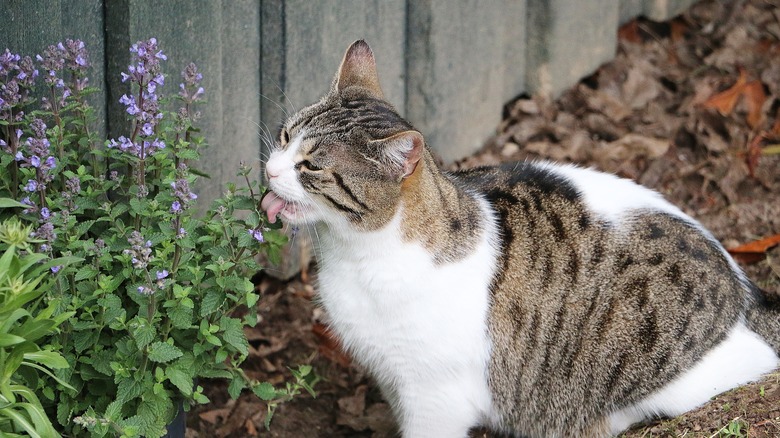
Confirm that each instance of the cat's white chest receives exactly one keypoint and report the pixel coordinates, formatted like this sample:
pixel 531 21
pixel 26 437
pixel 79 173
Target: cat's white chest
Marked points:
pixel 413 323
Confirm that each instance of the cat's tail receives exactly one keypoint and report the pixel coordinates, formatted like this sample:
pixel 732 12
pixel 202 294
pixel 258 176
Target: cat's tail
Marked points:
pixel 763 317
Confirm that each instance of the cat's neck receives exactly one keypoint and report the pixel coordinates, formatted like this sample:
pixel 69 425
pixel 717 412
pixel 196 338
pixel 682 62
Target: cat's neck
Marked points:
pixel 439 214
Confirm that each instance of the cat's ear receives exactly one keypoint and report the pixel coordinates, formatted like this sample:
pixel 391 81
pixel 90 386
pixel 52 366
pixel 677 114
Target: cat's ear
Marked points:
pixel 401 152
pixel 358 68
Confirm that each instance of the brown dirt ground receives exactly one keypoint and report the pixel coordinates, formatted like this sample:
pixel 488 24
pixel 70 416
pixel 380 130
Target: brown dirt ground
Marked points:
pixel 690 107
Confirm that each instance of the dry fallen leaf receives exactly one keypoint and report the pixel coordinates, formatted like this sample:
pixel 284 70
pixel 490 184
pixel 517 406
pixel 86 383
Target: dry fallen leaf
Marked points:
pixel 755 98
pixel 753 92
pixel 214 415
pixel 755 251
pixel 726 100
pixel 329 345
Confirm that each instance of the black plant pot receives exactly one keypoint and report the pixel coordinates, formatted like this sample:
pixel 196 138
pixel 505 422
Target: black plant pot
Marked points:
pixel 178 426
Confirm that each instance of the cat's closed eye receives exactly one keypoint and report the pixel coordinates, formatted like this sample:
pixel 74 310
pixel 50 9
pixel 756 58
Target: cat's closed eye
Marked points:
pixel 308 165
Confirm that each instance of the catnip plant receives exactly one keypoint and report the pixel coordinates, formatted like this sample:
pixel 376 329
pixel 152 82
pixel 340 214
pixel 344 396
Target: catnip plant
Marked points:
pixel 158 296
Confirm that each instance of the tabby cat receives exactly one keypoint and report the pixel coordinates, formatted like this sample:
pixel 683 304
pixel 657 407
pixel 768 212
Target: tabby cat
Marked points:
pixel 535 299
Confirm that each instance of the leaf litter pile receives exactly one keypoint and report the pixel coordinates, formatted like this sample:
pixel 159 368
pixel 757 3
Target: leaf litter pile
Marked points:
pixel 689 107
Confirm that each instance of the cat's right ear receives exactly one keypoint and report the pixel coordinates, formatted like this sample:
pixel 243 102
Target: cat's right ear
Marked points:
pixel 401 152
pixel 358 68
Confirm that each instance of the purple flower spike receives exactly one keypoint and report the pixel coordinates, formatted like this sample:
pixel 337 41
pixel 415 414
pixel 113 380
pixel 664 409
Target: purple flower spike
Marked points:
pixel 31 186
pixel 257 235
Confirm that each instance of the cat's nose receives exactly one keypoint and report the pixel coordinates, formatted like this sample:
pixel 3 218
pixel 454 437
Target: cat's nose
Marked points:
pixel 272 169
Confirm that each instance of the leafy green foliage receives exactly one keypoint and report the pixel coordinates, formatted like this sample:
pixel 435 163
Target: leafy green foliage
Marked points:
pixel 23 325
pixel 150 295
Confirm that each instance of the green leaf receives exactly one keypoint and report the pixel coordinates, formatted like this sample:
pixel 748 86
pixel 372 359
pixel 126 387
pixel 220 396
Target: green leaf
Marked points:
pixel 10 203
pixel 7 340
pixel 113 411
pixel 86 272
pixel 265 391
pixel 211 302
pixel 251 299
pixel 83 227
pixel 48 358
pixel 235 387
pixel 84 339
pixel 233 334
pixel 180 380
pixel 181 317
pixel 163 352
pixel 155 412
pixel 143 333
pixel 128 389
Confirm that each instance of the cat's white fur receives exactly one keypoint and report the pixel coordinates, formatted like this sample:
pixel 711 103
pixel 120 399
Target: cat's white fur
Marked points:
pixel 421 328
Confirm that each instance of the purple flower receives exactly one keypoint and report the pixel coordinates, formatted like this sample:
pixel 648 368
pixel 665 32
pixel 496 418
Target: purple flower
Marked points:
pixel 257 235
pixel 35 161
pixel 31 186
pixel 45 214
pixel 27 201
pixel 181 234
pixel 190 90
pixel 144 290
pixel 56 269
pixel 161 274
pixel 140 251
pixel 176 207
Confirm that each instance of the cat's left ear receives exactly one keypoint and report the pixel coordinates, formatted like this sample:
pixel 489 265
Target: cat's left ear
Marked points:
pixel 358 68
pixel 401 152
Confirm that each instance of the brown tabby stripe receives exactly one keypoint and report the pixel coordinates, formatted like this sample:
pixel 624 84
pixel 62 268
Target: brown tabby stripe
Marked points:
pixel 355 215
pixel 340 181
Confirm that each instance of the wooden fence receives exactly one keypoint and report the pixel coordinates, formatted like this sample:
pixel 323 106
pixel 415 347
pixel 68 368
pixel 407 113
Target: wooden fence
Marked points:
pixel 447 65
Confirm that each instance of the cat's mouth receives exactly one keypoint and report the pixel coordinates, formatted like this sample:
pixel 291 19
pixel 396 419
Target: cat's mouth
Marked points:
pixel 276 206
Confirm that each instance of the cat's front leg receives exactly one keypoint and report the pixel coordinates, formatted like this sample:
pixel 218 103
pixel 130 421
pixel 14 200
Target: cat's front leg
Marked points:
pixel 442 410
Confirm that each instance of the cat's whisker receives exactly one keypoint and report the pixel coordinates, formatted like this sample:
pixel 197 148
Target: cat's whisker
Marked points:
pixel 281 107
pixel 287 98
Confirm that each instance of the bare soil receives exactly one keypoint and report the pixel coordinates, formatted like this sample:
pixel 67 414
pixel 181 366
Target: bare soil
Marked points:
pixel 689 107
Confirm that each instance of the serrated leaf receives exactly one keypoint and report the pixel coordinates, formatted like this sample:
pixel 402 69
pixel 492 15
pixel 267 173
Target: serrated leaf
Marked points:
pixel 144 334
pixel 113 411
pixel 84 339
pixel 215 374
pixel 180 380
pixel 235 387
pixel 112 307
pixel 155 412
pixel 265 391
pixel 86 272
pixel 83 227
pixel 181 316
pixel 137 206
pixel 233 334
pixel 128 389
pixel 211 302
pixel 163 352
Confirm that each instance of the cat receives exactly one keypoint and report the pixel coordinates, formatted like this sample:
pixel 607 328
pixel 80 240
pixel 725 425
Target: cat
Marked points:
pixel 534 299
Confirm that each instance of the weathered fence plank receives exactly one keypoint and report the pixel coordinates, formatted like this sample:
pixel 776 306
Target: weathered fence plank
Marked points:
pixel 304 41
pixel 223 39
pixel 567 41
pixel 30 26
pixel 460 71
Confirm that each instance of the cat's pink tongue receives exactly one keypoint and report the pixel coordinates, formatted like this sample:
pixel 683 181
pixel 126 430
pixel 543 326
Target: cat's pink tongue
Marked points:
pixel 272 204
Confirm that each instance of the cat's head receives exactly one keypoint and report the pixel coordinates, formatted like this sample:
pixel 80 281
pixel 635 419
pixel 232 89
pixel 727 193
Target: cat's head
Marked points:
pixel 344 159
